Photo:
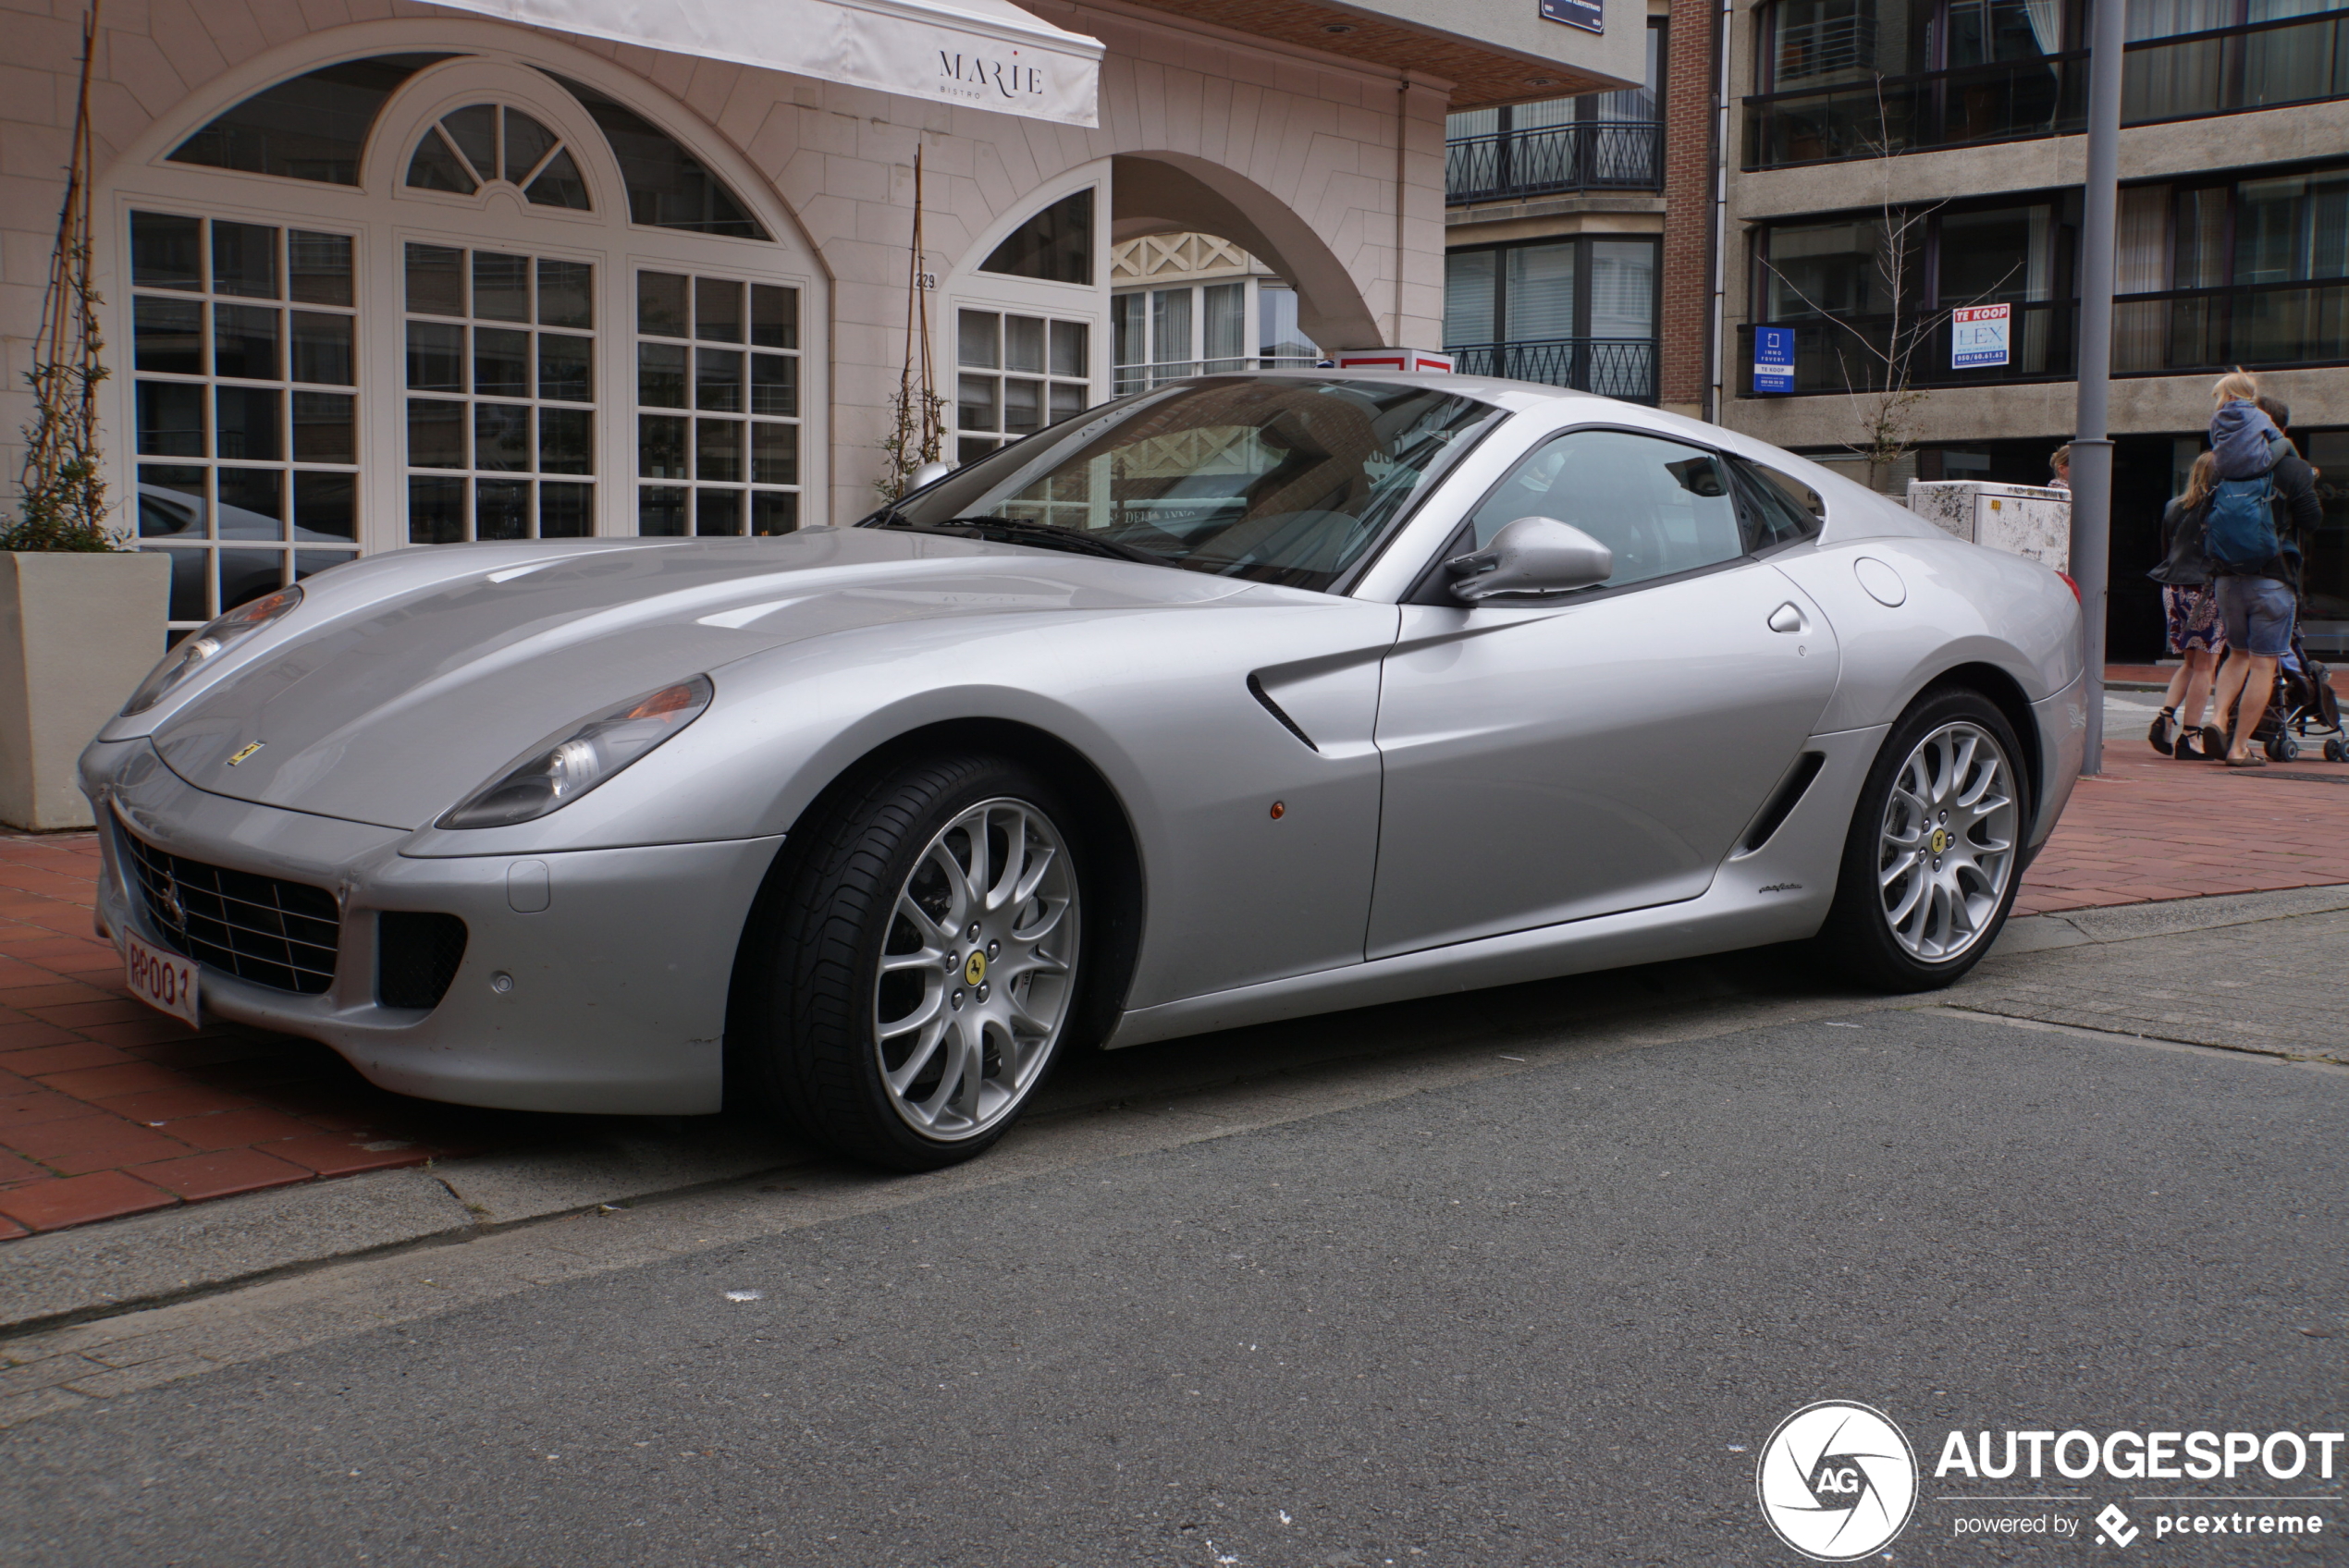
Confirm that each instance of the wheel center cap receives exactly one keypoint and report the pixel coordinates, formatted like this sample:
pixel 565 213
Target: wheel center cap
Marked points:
pixel 1941 841
pixel 974 968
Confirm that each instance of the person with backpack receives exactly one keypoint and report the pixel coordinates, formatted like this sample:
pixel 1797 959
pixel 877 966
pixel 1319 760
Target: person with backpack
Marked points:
pixel 2190 607
pixel 2251 537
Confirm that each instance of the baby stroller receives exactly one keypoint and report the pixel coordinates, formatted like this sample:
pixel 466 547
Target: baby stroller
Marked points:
pixel 2304 701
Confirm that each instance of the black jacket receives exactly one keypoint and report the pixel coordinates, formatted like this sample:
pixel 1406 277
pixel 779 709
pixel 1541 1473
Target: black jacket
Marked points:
pixel 2181 564
pixel 2298 511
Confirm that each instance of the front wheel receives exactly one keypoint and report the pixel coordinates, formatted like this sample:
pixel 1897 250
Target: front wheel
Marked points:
pixel 910 980
pixel 1933 855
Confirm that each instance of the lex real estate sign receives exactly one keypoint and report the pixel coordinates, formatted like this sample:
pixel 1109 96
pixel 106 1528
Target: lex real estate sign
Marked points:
pixel 1979 336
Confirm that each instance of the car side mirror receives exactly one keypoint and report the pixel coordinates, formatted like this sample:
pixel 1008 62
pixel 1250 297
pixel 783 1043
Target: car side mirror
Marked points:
pixel 1533 555
pixel 929 473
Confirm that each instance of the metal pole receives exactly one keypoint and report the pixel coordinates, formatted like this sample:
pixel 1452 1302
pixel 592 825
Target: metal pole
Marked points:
pixel 2091 447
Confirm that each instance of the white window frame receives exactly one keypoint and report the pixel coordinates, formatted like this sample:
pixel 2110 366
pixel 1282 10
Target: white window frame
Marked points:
pixel 969 289
pixel 382 215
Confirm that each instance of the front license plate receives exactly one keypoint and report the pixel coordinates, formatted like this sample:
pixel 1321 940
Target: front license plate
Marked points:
pixel 162 980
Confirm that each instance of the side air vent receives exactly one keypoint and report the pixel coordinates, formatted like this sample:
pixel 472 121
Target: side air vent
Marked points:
pixel 1782 804
pixel 1256 690
pixel 416 957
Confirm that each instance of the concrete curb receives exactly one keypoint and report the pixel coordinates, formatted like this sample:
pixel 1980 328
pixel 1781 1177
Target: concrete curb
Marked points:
pixel 94 1270
pixel 103 1269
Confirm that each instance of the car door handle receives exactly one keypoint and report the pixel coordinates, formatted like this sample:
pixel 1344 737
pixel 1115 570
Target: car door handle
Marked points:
pixel 1787 618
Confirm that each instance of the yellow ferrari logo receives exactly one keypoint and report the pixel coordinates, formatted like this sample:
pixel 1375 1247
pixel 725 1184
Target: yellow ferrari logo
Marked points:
pixel 1940 840
pixel 246 752
pixel 975 969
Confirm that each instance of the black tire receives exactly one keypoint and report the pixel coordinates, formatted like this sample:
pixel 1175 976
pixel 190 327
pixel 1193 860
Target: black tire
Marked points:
pixel 801 1037
pixel 1858 937
pixel 2283 748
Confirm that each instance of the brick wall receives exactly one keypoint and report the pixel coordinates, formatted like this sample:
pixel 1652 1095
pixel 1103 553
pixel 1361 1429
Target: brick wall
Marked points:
pixel 1687 324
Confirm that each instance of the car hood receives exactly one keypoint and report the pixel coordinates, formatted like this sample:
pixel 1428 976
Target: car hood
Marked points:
pixel 402 685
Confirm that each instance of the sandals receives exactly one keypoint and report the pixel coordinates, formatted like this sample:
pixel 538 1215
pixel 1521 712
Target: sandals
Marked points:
pixel 2190 748
pixel 2214 743
pixel 2164 734
pixel 2254 760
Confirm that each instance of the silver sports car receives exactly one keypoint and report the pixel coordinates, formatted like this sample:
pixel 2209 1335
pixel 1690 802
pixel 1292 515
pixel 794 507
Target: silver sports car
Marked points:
pixel 1242 698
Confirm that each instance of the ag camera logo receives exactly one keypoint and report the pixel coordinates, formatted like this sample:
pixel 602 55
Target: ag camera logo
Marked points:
pixel 1836 1480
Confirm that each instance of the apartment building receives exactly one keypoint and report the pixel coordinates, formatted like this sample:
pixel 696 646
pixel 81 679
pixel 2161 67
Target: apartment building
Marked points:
pixel 1575 228
pixel 1893 161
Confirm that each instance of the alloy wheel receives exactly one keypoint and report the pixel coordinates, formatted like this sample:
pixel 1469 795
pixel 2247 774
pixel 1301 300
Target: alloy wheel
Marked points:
pixel 1947 848
pixel 978 971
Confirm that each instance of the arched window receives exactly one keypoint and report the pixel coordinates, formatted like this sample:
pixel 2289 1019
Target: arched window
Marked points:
pixel 484 143
pixel 313 126
pixel 1055 245
pixel 503 305
pixel 1028 327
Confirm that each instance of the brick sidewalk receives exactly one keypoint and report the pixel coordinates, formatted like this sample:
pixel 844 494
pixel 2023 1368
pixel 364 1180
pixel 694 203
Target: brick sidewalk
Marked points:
pixel 109 1108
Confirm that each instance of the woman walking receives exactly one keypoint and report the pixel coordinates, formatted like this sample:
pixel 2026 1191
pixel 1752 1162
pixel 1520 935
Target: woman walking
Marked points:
pixel 2198 633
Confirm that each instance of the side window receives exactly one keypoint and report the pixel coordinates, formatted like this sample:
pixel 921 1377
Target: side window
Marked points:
pixel 1661 506
pixel 1780 509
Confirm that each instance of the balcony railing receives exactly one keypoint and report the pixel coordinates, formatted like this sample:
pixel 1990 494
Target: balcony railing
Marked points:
pixel 1141 378
pixel 1613 367
pixel 2177 332
pixel 2264 64
pixel 1584 156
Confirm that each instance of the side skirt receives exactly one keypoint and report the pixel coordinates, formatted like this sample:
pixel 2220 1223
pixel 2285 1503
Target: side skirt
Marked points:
pixel 1779 893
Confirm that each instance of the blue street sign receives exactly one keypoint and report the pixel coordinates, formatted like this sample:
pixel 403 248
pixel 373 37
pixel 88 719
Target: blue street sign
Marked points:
pixel 1588 15
pixel 1774 359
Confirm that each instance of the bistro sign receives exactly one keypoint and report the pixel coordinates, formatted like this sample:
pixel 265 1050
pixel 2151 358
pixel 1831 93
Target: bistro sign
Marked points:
pixel 985 53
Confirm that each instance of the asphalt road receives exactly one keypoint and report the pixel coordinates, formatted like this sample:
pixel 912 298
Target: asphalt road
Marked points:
pixel 1541 1318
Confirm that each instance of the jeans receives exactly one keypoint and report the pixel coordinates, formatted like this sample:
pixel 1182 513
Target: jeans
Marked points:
pixel 2259 613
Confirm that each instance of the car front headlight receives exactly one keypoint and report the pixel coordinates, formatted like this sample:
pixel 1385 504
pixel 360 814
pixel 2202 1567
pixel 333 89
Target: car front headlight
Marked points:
pixel 582 759
pixel 201 649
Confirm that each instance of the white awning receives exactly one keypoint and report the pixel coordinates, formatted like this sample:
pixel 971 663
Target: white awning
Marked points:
pixel 987 54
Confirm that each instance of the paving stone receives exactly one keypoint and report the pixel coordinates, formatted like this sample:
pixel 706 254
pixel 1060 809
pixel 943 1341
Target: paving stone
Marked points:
pixel 221 1175
pixel 78 1145
pixel 78 1200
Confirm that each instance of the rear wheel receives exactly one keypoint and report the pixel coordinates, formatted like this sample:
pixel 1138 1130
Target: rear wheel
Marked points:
pixel 1933 854
pixel 910 980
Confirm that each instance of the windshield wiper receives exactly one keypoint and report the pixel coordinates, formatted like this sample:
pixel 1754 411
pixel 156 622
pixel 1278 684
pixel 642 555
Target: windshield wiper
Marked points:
pixel 1007 530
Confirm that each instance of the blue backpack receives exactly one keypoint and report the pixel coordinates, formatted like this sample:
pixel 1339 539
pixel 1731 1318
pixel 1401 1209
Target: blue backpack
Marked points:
pixel 2240 528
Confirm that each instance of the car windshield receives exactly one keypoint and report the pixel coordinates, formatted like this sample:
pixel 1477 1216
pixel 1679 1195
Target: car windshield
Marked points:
pixel 1286 480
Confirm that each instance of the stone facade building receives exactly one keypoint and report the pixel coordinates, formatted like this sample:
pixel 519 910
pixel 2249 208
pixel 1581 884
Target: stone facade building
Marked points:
pixel 379 273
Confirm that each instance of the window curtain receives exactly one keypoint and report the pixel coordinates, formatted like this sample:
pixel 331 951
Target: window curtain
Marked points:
pixel 2141 265
pixel 1171 328
pixel 2046 24
pixel 1468 297
pixel 1225 325
pixel 1540 302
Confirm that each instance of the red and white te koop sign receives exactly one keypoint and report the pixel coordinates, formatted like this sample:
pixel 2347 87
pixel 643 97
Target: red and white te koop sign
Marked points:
pixel 1392 359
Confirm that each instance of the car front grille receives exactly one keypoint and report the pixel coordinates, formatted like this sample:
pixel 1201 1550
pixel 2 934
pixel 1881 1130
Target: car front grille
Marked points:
pixel 271 932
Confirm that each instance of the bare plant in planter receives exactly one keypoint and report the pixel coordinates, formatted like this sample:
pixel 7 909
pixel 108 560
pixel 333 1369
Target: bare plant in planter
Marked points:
pixel 81 612
pixel 918 423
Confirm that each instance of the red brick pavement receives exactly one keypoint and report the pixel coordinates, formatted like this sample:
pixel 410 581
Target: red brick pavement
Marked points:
pixel 109 1108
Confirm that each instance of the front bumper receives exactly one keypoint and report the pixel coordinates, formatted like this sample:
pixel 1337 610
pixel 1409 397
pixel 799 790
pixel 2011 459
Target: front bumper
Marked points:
pixel 614 993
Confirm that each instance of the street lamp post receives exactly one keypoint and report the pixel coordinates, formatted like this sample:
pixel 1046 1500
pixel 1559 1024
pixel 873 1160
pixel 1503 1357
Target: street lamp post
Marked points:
pixel 2091 447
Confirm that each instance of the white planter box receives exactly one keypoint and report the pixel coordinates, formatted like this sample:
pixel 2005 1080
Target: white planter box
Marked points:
pixel 2022 520
pixel 76 634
